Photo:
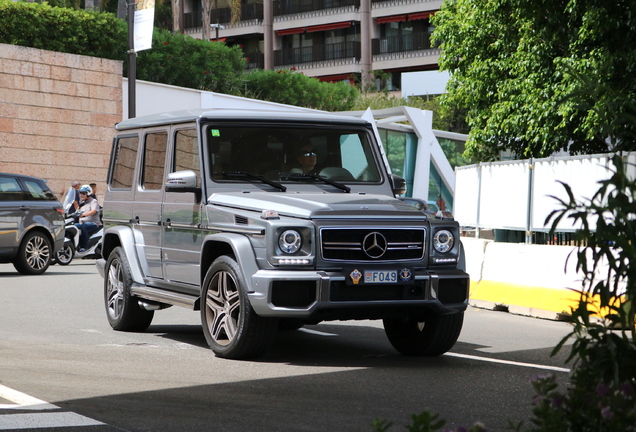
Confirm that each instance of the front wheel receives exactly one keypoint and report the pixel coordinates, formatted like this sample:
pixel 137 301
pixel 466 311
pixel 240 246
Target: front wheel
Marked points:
pixel 231 327
pixel 65 255
pixel 431 337
pixel 122 309
pixel 34 254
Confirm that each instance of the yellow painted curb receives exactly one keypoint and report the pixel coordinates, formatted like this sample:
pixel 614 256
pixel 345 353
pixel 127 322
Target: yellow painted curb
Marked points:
pixel 533 297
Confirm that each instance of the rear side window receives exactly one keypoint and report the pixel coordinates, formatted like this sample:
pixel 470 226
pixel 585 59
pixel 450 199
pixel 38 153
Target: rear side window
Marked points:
pixel 124 162
pixel 10 189
pixel 37 190
pixel 154 160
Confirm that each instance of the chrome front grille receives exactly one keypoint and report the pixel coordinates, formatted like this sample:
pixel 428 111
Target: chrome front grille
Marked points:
pixel 372 244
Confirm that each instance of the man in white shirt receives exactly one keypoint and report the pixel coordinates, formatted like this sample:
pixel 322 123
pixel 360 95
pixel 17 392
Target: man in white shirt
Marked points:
pixel 88 216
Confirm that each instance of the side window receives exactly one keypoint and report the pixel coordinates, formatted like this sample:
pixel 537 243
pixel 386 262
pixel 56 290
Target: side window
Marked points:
pixel 357 158
pixel 124 162
pixel 10 189
pixel 154 160
pixel 186 153
pixel 38 191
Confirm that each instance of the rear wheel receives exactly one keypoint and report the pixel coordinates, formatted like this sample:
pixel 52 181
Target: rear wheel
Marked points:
pixel 34 254
pixel 65 255
pixel 231 327
pixel 122 308
pixel 431 337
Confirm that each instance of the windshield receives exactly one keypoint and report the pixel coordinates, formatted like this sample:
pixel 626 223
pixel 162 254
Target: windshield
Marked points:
pixel 290 153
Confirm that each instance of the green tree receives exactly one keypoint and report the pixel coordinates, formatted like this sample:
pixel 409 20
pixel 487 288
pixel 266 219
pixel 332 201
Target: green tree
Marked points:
pixel 516 66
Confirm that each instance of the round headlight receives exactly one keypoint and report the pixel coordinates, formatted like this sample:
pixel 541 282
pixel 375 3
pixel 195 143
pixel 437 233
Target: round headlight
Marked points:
pixel 443 241
pixel 290 241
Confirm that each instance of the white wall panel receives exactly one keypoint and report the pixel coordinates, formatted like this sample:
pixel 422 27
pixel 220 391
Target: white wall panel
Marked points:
pixel 504 192
pixel 466 195
pixel 582 174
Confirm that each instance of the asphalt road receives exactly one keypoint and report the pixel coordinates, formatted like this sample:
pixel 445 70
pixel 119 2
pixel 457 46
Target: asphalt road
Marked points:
pixel 62 365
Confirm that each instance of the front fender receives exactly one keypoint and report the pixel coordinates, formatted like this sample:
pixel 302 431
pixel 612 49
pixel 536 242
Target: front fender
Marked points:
pixel 123 236
pixel 215 245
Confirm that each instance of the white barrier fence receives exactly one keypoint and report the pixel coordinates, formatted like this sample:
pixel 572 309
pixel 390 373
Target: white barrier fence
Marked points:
pixel 516 195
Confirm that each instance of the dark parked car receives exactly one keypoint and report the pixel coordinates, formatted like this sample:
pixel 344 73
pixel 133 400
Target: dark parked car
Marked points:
pixel 31 223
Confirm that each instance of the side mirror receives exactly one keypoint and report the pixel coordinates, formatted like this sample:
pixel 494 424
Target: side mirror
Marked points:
pixel 182 181
pixel 398 184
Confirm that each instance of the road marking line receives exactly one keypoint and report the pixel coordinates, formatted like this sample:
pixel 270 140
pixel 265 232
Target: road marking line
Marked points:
pixel 508 362
pixel 22 401
pixel 45 420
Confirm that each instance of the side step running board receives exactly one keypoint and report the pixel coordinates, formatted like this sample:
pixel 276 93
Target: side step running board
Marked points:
pixel 165 297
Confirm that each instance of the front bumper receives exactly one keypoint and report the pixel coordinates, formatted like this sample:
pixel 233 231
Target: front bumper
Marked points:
pixel 327 295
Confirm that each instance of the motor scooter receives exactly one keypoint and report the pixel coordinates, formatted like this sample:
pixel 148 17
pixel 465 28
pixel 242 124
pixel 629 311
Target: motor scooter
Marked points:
pixel 70 250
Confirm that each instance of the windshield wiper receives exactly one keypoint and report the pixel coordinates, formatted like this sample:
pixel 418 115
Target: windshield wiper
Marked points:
pixel 243 175
pixel 299 176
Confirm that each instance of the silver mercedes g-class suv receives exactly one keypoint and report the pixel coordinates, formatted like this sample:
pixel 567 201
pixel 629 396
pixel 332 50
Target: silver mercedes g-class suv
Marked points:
pixel 266 220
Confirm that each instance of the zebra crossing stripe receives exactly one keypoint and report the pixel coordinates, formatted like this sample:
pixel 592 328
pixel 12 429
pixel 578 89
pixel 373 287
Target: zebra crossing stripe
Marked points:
pixel 24 402
pixel 45 420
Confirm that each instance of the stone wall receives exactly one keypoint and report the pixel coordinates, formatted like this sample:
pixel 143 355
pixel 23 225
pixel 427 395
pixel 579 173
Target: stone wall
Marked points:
pixel 57 113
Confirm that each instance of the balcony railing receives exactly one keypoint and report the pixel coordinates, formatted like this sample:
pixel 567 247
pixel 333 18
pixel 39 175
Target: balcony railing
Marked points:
pixel 224 15
pixel 255 60
pixel 289 7
pixel 393 44
pixel 317 53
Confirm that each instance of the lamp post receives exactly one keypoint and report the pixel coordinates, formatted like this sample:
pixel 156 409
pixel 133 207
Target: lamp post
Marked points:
pixel 132 61
pixel 217 26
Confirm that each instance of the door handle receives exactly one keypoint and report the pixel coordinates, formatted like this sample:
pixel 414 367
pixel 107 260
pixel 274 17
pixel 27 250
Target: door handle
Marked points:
pixel 134 220
pixel 24 208
pixel 167 223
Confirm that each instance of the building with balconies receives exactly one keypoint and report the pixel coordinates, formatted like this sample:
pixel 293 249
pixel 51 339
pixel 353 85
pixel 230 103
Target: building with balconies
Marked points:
pixel 328 39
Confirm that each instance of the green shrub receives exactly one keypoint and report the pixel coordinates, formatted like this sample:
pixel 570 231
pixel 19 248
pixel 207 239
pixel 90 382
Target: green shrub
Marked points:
pixel 290 87
pixel 63 30
pixel 180 60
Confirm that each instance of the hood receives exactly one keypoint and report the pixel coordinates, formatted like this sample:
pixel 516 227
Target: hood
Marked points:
pixel 318 205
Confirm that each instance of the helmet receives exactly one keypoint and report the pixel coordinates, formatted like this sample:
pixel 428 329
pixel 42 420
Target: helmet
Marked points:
pixel 87 189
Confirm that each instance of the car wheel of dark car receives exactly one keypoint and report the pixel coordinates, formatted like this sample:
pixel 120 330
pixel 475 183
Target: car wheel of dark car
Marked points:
pixel 432 337
pixel 230 325
pixel 122 308
pixel 65 255
pixel 34 254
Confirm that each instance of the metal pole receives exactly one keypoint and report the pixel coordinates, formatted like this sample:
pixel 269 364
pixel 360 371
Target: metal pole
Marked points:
pixel 365 45
pixel 132 62
pixel 268 35
pixel 530 192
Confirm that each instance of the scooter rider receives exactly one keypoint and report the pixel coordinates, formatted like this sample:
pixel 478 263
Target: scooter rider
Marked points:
pixel 88 216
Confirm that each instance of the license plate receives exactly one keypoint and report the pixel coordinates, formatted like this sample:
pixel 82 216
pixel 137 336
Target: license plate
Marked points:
pixel 380 276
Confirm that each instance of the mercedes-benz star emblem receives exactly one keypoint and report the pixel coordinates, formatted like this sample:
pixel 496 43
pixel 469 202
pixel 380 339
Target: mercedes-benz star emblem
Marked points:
pixel 374 245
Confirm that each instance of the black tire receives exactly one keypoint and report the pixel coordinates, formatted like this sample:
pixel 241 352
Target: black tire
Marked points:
pixel 34 254
pixel 231 327
pixel 65 255
pixel 122 308
pixel 432 337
